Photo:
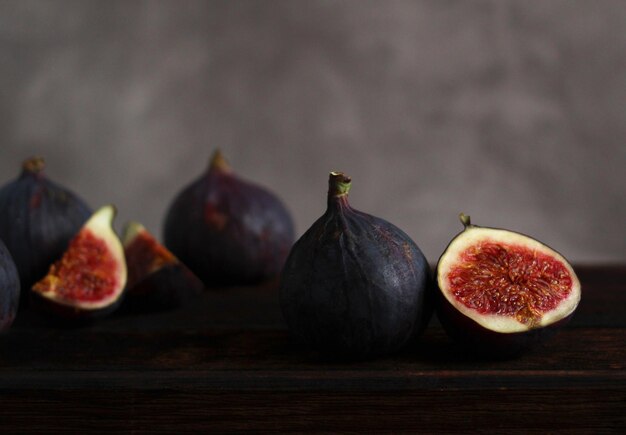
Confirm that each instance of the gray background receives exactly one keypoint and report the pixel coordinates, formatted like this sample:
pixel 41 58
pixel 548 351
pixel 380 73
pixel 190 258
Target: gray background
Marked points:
pixel 513 112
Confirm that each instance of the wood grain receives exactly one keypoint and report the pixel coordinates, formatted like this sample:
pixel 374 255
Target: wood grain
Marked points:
pixel 229 364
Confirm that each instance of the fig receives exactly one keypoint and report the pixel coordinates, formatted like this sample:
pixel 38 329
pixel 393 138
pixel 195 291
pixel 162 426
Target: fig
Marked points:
pixel 88 281
pixel 157 280
pixel 354 286
pixel 37 220
pixel 228 231
pixel 501 292
pixel 9 288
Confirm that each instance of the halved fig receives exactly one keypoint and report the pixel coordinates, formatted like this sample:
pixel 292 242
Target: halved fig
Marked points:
pixel 501 292
pixel 157 280
pixel 89 279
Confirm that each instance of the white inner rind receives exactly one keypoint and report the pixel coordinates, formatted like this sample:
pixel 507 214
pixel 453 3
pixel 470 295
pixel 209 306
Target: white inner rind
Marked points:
pixel 132 230
pixel 497 322
pixel 100 224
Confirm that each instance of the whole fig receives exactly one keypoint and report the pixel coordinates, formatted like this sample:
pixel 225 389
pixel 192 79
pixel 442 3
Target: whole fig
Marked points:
pixel 9 288
pixel 38 218
pixel 354 285
pixel 228 231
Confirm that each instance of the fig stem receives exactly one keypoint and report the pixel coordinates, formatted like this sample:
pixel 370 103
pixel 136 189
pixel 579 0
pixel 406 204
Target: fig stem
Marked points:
pixel 338 184
pixel 34 165
pixel 465 220
pixel 219 162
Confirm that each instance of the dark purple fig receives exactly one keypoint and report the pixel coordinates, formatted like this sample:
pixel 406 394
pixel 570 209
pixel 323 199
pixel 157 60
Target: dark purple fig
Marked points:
pixel 37 220
pixel 9 288
pixel 354 285
pixel 228 231
pixel 501 292
pixel 157 280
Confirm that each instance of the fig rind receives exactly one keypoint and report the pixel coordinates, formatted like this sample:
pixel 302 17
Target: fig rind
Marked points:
pixel 70 315
pixel 480 341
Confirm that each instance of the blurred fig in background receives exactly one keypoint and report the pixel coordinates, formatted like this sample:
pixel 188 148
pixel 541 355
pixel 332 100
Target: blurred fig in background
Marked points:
pixel 9 288
pixel 227 230
pixel 38 218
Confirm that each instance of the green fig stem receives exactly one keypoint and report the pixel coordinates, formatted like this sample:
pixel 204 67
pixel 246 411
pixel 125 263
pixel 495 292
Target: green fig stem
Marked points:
pixel 465 220
pixel 34 165
pixel 338 185
pixel 219 162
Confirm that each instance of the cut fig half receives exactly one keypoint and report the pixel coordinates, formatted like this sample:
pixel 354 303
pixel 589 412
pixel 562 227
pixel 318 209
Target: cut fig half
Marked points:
pixel 89 279
pixel 157 279
pixel 503 291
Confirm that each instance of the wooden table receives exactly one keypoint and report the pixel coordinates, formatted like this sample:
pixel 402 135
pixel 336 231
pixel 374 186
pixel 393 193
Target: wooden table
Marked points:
pixel 228 363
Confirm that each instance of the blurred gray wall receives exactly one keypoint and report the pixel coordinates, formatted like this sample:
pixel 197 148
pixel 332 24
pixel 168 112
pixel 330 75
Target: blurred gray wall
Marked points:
pixel 511 111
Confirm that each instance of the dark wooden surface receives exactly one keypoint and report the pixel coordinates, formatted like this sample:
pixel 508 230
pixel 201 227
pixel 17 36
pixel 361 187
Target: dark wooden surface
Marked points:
pixel 228 364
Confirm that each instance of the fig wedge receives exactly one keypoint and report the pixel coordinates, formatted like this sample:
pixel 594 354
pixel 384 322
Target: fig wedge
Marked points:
pixel 157 280
pixel 89 279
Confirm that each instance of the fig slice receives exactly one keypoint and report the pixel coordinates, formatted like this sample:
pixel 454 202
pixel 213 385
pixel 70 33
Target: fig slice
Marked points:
pixel 90 277
pixel 157 279
pixel 503 291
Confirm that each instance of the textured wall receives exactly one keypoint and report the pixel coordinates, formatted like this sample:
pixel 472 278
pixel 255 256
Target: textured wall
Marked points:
pixel 514 112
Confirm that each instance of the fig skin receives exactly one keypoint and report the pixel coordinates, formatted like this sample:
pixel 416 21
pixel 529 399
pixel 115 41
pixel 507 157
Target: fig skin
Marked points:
pixel 171 287
pixel 476 339
pixel 228 231
pixel 66 311
pixel 38 218
pixel 9 288
pixel 479 341
pixel 168 285
pixel 355 286
pixel 68 315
